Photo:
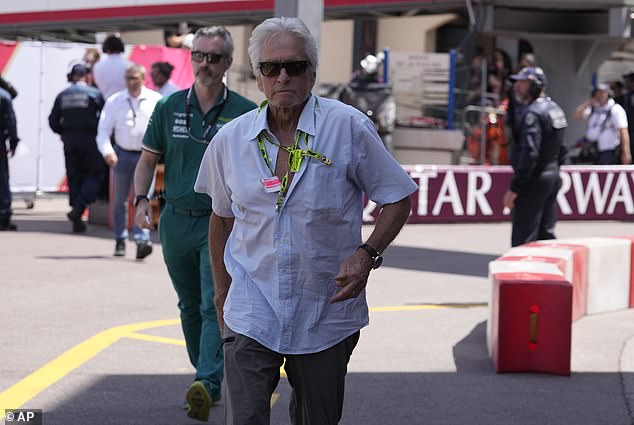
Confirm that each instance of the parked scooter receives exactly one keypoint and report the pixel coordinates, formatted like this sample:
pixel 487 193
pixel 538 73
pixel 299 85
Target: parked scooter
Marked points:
pixel 372 97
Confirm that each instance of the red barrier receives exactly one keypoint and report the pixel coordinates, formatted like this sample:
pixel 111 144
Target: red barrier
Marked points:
pixel 531 322
pixel 579 274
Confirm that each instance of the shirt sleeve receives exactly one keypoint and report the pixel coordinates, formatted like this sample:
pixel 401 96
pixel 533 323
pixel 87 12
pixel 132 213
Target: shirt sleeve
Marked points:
pixel 374 169
pixel 154 134
pixel 528 154
pixel 211 177
pixel 54 119
pixel 586 112
pixel 99 100
pixel 8 116
pixel 619 117
pixel 106 128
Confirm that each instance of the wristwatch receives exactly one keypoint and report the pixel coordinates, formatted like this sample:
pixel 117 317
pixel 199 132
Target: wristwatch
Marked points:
pixel 139 198
pixel 377 258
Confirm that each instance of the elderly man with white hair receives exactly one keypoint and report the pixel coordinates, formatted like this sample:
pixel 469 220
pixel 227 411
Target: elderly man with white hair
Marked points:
pixel 290 268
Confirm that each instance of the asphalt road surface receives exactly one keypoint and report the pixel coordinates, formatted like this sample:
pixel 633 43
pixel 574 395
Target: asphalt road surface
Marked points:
pixel 93 339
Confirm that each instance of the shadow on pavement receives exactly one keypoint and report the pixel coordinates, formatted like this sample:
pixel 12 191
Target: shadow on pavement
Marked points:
pixel 31 224
pixel 62 227
pixel 129 399
pixel 438 260
pixel 476 395
pixel 473 395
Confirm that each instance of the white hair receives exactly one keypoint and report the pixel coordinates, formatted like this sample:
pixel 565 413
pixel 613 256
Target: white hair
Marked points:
pixel 216 31
pixel 274 26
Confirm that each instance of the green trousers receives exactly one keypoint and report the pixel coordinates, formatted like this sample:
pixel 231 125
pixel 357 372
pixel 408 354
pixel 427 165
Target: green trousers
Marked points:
pixel 186 254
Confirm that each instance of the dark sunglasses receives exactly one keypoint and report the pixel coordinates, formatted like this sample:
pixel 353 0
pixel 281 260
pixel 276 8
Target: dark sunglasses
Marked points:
pixel 209 57
pixel 293 69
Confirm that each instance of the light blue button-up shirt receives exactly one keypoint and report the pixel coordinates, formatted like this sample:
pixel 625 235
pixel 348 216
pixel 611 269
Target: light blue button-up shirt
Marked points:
pixel 283 263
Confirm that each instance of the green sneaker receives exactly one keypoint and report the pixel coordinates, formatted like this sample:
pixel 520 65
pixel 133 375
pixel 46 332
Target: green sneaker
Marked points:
pixel 199 401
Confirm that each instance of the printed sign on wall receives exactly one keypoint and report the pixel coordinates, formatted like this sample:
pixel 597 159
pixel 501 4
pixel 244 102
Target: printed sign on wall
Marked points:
pixel 474 194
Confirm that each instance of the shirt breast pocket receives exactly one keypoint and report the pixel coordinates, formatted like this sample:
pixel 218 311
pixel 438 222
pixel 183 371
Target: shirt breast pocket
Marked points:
pixel 325 189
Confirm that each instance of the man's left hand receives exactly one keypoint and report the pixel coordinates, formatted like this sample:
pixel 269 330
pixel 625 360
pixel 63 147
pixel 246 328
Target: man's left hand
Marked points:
pixel 111 159
pixel 13 145
pixel 626 157
pixel 509 199
pixel 353 276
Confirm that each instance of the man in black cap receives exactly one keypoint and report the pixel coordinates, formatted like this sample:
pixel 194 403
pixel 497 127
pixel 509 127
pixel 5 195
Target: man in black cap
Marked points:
pixel 75 116
pixel 536 159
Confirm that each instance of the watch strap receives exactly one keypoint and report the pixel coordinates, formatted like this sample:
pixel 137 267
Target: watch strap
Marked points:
pixel 371 251
pixel 139 198
pixel 377 258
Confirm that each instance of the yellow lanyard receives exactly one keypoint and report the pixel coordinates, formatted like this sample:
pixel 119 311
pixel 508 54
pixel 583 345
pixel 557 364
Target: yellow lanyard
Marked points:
pixel 295 157
pixel 294 161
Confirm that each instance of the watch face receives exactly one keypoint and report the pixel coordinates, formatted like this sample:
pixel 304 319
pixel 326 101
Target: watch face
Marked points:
pixel 377 262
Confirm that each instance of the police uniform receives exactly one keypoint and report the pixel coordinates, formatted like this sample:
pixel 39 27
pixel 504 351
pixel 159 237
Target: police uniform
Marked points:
pixel 75 116
pixel 8 132
pixel 184 222
pixel 535 161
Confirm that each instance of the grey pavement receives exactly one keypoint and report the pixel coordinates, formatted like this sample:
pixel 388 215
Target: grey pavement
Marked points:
pixel 422 360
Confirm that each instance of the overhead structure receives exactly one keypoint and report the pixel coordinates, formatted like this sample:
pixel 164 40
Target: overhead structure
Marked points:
pixel 78 21
pixel 570 37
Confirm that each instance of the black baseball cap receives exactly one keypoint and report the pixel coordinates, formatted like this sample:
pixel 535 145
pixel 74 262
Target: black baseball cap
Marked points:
pixel 79 70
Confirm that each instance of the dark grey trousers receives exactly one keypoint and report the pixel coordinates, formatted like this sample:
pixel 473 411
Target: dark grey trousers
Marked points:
pixel 252 373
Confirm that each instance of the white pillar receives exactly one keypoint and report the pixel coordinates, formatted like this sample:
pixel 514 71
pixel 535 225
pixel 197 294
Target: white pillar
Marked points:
pixel 309 11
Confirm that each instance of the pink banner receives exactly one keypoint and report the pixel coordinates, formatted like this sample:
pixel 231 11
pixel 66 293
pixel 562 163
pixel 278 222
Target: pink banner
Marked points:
pixel 182 76
pixel 474 194
pixel 7 48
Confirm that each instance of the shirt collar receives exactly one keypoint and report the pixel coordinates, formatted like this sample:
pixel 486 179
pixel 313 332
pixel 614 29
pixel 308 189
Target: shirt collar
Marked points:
pixel 142 95
pixel 607 105
pixel 306 119
pixel 194 99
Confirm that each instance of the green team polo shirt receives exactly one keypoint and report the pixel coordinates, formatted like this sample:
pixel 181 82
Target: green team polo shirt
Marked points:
pixel 167 134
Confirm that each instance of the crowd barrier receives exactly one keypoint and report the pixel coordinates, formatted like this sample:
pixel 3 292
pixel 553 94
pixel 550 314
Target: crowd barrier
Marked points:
pixel 539 289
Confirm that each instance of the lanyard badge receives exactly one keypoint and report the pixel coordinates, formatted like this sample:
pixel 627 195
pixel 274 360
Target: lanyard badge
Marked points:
pixel 271 184
pixel 295 157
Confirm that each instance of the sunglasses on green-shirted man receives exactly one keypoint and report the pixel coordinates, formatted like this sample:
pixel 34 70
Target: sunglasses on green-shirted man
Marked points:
pixel 198 56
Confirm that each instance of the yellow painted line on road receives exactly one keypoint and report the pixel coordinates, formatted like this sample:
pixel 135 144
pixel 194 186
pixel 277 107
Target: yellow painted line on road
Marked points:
pixel 26 389
pixel 419 307
pixel 47 375
pixel 154 338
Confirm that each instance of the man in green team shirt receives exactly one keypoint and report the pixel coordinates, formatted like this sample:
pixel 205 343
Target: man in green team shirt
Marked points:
pixel 180 129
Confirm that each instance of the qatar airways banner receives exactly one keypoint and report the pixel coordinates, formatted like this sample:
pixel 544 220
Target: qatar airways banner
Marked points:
pixel 475 193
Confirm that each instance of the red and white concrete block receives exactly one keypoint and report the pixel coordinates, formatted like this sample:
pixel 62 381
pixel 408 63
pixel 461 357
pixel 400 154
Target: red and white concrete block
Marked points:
pixel 576 257
pixel 608 267
pixel 631 239
pixel 538 289
pixel 531 316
